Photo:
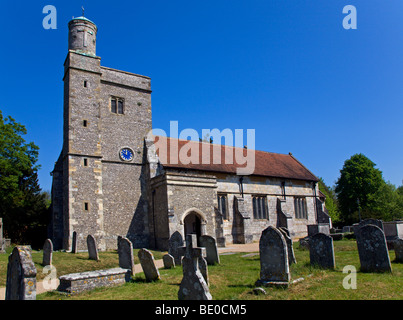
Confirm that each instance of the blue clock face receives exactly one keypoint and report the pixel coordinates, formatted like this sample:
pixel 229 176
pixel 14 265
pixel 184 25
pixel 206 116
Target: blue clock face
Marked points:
pixel 126 154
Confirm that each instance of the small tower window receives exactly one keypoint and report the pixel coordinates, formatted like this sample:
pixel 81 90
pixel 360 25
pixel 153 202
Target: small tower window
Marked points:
pixel 117 105
pixel 85 123
pixel 86 206
pixel 85 84
pixel 85 162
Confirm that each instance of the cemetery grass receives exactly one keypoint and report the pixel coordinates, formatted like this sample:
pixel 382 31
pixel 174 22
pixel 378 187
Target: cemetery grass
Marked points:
pixel 66 262
pixel 234 279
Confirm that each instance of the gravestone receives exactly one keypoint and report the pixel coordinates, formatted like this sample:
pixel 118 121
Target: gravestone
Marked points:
pixel 362 223
pixel 169 261
pixel 321 251
pixel 74 243
pixel 290 249
pixel 304 243
pixel 193 285
pixel 203 267
pixel 175 242
pixel 209 243
pixel 92 248
pixel 398 246
pixel 372 249
pixel 125 252
pixel 274 268
pixel 148 265
pixel 47 253
pixel 375 222
pixel 21 275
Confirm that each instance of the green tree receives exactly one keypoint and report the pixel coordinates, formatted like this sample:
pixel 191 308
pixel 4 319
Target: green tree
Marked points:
pixel 358 189
pixel 22 205
pixel 389 203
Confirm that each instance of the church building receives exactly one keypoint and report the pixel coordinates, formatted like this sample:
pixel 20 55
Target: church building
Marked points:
pixel 111 179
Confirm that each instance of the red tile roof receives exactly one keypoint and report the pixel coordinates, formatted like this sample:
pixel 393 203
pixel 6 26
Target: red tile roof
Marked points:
pixel 266 164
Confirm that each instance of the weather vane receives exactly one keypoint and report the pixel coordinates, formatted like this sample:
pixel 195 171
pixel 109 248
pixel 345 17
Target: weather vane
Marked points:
pixel 83 10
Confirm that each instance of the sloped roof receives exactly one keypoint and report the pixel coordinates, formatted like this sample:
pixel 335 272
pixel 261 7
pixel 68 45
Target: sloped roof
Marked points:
pixel 266 164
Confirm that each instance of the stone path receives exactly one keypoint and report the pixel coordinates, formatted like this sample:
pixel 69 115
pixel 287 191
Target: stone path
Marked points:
pixel 251 247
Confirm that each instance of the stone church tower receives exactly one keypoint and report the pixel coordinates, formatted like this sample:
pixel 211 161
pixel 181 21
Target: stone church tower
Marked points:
pixel 100 179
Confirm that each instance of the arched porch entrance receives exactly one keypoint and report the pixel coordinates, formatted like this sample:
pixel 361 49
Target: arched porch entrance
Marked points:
pixel 194 222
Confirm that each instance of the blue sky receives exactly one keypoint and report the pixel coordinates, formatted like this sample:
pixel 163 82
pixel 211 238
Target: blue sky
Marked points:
pixel 286 68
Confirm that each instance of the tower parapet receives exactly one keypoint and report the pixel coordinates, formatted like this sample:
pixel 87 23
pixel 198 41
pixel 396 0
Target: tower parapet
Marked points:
pixel 82 36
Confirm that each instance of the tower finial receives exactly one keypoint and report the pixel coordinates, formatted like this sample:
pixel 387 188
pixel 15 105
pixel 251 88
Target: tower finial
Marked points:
pixel 83 10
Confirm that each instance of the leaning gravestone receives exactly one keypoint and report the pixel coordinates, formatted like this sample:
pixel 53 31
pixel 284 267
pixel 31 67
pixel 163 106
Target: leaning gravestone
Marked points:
pixel 193 286
pixel 372 249
pixel 148 265
pixel 92 248
pixel 290 249
pixel 125 252
pixel 21 275
pixel 203 267
pixel 169 261
pixel 274 268
pixel 175 242
pixel 74 243
pixel 47 253
pixel 209 243
pixel 398 247
pixel 321 251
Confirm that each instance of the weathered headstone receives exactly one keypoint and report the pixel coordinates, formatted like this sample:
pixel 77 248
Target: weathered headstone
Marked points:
pixel 209 243
pixel 321 251
pixel 398 246
pixel 203 267
pixel 375 222
pixel 304 243
pixel 125 252
pixel 21 275
pixel 372 249
pixel 175 242
pixel 47 253
pixel 92 248
pixel 148 265
pixel 169 261
pixel 274 268
pixel 74 243
pixel 290 249
pixel 193 286
pixel 371 221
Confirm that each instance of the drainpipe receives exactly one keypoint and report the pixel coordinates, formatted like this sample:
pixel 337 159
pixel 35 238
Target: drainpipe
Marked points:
pixel 241 185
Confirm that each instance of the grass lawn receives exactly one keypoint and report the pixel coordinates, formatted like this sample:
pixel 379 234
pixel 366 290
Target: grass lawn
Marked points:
pixel 66 263
pixel 235 277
